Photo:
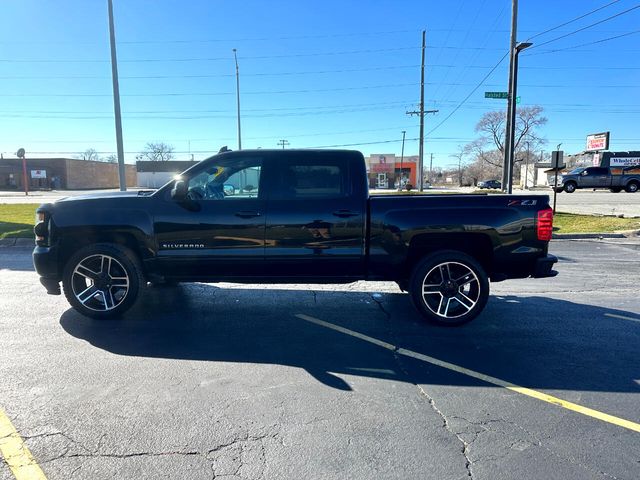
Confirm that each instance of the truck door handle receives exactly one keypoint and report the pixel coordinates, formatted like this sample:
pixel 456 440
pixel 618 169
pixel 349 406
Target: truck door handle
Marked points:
pixel 247 214
pixel 345 213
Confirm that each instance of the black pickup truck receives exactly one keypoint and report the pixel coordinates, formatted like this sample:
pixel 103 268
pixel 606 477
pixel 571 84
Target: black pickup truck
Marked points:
pixel 294 216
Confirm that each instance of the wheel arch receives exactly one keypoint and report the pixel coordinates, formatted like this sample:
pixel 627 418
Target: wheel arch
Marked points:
pixel 71 242
pixel 478 246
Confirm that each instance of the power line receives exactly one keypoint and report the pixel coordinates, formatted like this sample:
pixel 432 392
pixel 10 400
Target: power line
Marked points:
pixel 208 94
pixel 366 143
pixel 275 74
pixel 587 27
pixel 469 96
pixel 278 92
pixel 573 20
pixel 592 43
pixel 252 57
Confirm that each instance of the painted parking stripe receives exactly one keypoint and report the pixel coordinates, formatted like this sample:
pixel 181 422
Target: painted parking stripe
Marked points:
pixel 605 417
pixel 15 452
pixel 622 317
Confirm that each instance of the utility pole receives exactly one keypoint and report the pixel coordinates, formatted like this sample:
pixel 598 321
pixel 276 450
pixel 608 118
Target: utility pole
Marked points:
pixel 238 98
pixel 116 100
pixel 510 99
pixel 283 143
pixel 404 132
pixel 422 113
pixel 526 169
pixel 431 171
pixel 421 150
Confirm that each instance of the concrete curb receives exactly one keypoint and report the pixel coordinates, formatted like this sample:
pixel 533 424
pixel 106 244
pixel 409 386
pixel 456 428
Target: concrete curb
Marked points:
pixel 578 236
pixel 17 242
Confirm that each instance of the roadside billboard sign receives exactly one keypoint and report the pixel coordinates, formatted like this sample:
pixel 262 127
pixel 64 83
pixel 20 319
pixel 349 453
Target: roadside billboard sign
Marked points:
pixel 597 142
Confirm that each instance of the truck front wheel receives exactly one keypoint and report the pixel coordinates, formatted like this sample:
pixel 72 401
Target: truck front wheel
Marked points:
pixel 570 187
pixel 103 280
pixel 449 288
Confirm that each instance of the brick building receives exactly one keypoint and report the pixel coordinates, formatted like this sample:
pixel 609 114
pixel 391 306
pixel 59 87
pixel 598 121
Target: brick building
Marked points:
pixel 386 170
pixel 152 174
pixel 62 174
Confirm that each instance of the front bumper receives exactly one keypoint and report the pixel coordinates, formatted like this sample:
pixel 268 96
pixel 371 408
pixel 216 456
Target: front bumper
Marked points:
pixel 45 261
pixel 544 267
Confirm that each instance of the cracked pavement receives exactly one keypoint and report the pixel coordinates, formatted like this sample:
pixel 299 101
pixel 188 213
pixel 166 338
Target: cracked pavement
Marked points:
pixel 224 382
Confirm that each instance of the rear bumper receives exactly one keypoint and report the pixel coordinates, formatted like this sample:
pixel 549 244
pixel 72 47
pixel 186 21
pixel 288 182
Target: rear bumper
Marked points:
pixel 544 267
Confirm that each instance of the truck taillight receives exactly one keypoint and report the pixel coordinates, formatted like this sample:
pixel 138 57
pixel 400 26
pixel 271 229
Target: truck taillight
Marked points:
pixel 544 226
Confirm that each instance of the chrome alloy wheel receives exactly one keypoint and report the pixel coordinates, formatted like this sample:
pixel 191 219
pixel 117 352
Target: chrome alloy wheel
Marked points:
pixel 100 282
pixel 450 289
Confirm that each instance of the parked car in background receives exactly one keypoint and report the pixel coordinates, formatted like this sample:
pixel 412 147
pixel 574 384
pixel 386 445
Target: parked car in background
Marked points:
pixel 495 184
pixel 614 178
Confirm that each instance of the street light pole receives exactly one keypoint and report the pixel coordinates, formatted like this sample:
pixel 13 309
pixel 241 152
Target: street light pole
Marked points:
pixel 404 132
pixel 512 130
pixel 510 97
pixel 116 100
pixel 235 56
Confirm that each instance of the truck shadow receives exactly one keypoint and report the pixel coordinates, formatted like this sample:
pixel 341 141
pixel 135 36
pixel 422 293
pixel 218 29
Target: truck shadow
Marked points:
pixel 535 342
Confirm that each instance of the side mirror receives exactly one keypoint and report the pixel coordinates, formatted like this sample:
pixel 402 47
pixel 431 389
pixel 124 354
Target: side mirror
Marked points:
pixel 179 191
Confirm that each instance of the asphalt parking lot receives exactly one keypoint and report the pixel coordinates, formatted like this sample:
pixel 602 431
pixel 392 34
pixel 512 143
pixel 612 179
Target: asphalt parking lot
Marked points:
pixel 333 382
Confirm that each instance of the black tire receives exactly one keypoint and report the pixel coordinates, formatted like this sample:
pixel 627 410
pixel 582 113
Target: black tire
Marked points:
pixel 570 187
pixel 103 280
pixel 632 187
pixel 615 189
pixel 559 190
pixel 455 278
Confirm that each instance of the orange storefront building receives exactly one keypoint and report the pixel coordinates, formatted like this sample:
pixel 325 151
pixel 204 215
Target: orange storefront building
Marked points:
pixel 389 171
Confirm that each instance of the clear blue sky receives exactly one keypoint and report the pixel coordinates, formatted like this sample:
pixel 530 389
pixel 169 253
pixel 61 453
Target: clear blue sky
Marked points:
pixel 314 73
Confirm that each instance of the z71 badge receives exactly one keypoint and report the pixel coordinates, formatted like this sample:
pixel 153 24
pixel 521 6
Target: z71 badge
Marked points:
pixel 523 203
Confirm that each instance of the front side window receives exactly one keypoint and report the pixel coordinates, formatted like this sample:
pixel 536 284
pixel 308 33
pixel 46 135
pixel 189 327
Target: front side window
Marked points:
pixel 226 181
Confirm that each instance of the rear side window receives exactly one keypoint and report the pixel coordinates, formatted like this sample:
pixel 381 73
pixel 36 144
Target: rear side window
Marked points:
pixel 317 180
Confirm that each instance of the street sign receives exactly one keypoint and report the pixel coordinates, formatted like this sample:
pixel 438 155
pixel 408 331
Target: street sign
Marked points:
pixel 496 94
pixel 518 99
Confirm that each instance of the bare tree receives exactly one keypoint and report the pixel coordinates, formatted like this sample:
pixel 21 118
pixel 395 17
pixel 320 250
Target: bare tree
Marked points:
pixel 462 152
pixel 89 154
pixel 157 151
pixel 488 149
pixel 111 158
pixel 492 128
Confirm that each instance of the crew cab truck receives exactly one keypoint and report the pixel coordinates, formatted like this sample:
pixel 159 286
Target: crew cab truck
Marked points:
pixel 289 216
pixel 615 179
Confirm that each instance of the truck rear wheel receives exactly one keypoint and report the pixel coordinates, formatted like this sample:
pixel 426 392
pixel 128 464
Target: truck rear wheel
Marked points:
pixel 103 280
pixel 632 187
pixel 449 288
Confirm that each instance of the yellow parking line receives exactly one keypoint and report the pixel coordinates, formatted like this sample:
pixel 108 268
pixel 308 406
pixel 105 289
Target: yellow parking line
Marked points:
pixel 605 417
pixel 15 452
pixel 614 315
